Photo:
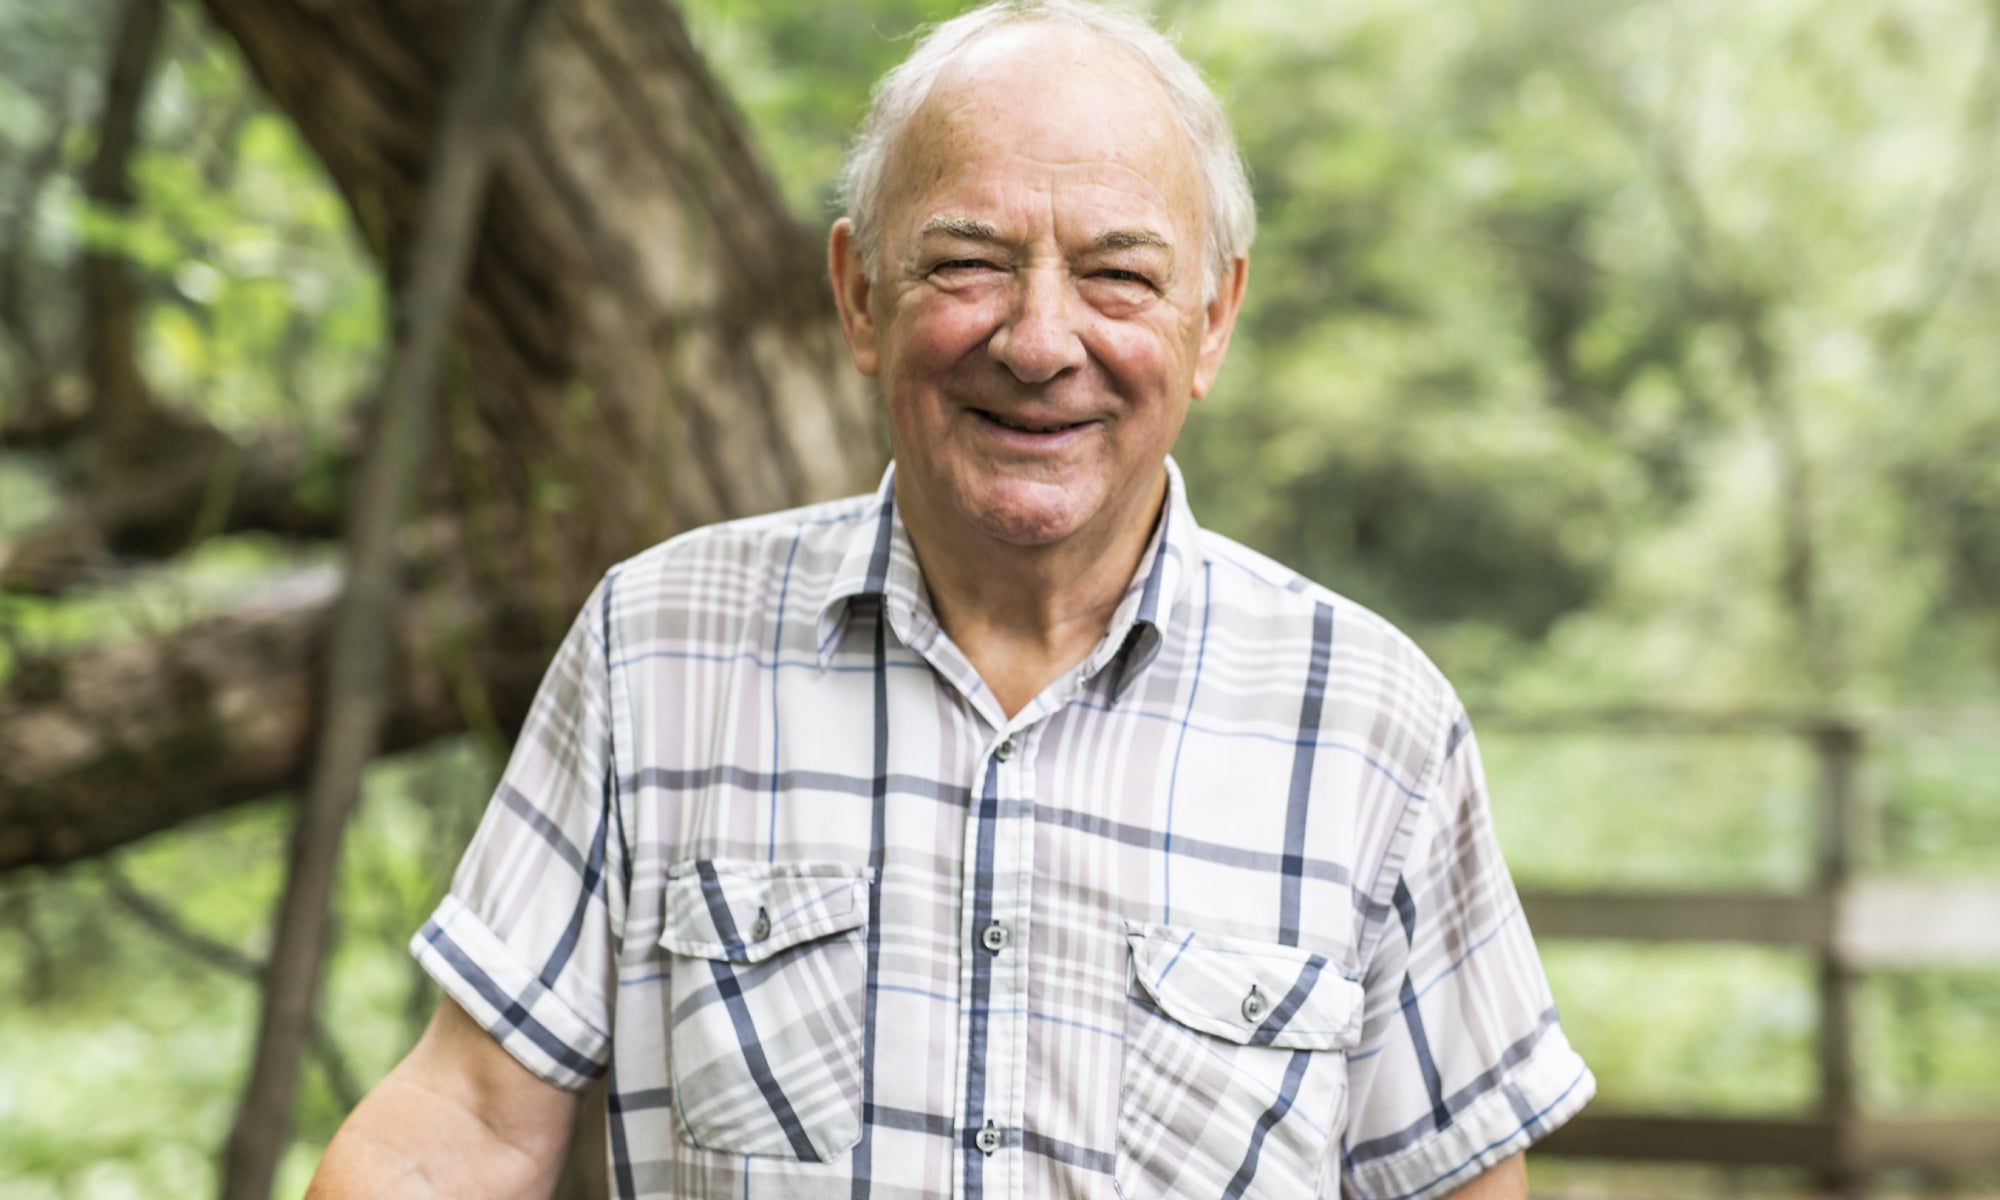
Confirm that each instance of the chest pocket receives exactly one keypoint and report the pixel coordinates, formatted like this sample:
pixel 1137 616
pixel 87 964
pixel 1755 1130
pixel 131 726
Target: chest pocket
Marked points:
pixel 767 981
pixel 1234 1080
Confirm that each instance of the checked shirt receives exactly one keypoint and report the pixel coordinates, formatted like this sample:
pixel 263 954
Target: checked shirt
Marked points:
pixel 1220 913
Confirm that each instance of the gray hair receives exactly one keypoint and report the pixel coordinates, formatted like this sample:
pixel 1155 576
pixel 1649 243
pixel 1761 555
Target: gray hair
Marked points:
pixel 1232 214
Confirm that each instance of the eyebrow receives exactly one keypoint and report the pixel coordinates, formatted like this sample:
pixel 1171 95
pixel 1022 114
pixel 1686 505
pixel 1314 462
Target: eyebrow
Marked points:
pixel 986 231
pixel 960 227
pixel 1127 239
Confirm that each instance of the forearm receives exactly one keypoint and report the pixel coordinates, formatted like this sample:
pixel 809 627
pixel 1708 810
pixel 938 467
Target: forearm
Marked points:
pixel 406 1142
pixel 1505 1180
pixel 457 1117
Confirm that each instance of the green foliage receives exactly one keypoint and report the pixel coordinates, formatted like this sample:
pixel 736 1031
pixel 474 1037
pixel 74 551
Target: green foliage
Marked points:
pixel 1930 1041
pixel 259 306
pixel 1724 1030
pixel 1583 811
pixel 267 311
pixel 169 1049
pixel 801 71
pixel 27 494
pixel 1940 807
pixel 1531 283
pixel 209 579
pixel 122 1053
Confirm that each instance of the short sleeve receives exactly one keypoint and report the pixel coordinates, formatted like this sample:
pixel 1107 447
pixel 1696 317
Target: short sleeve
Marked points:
pixel 526 939
pixel 1462 1062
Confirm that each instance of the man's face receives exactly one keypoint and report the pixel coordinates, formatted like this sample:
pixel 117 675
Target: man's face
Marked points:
pixel 1037 319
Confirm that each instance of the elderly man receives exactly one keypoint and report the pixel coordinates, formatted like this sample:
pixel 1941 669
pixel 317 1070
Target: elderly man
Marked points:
pixel 1001 833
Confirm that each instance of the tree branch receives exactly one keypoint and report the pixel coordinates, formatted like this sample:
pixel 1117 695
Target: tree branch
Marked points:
pixel 212 485
pixel 102 746
pixel 482 86
pixel 1950 229
pixel 37 406
pixel 17 908
pixel 168 924
pixel 110 297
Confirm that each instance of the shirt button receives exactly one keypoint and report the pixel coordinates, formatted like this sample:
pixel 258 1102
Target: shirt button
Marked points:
pixel 1005 750
pixel 994 937
pixel 987 1139
pixel 1253 1005
pixel 761 927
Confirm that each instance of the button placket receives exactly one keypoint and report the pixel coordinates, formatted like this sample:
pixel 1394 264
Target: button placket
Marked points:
pixel 1001 956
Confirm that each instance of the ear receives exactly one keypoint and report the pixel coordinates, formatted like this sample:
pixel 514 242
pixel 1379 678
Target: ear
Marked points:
pixel 851 292
pixel 1219 320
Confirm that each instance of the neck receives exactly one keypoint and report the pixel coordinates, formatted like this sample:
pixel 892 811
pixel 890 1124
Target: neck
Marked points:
pixel 1024 615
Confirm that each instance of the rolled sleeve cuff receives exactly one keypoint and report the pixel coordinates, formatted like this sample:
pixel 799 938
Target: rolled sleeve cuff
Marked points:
pixel 486 978
pixel 1532 1100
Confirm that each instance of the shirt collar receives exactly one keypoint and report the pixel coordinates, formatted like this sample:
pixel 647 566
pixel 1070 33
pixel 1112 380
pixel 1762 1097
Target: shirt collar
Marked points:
pixel 879 562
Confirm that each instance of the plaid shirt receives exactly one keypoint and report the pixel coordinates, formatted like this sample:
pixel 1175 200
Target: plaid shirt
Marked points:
pixel 1219 913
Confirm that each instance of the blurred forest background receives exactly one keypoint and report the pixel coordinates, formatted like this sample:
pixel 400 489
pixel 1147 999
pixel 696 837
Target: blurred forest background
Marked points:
pixel 1630 355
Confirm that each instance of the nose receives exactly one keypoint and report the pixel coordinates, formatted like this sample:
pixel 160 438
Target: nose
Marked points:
pixel 1039 338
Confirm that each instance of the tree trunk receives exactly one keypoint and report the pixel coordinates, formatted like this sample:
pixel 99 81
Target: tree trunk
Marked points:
pixel 645 344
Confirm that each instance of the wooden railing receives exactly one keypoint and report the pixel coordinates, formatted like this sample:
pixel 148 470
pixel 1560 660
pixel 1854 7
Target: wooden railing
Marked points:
pixel 1851 922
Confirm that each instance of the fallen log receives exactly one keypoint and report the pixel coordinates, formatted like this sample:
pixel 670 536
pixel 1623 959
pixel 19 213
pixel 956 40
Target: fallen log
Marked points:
pixel 103 746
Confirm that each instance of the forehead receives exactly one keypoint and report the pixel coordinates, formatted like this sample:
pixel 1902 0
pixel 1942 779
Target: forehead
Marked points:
pixel 1034 108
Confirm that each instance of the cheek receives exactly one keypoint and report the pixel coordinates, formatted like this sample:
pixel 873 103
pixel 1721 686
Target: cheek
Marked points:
pixel 1145 363
pixel 934 334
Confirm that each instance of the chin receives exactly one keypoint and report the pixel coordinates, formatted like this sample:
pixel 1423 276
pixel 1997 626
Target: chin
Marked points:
pixel 1026 521
pixel 1024 529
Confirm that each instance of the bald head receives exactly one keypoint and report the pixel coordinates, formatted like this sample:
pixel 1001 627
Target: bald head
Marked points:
pixel 1069 37
pixel 1024 109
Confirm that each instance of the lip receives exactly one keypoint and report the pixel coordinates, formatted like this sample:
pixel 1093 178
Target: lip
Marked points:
pixel 1028 439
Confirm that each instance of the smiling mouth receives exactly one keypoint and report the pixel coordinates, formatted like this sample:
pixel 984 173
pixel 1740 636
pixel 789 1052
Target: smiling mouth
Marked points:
pixel 1029 426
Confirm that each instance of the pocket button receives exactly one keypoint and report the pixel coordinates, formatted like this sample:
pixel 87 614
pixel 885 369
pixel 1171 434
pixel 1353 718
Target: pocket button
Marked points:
pixel 1254 1005
pixel 761 927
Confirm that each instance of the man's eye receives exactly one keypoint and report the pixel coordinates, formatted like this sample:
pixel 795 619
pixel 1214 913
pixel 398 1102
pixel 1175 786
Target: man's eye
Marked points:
pixel 1119 275
pixel 963 264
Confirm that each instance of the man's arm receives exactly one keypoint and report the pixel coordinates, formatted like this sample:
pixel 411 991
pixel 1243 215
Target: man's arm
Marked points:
pixel 1504 1180
pixel 457 1117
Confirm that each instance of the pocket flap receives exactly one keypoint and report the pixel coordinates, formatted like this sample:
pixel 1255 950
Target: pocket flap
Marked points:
pixel 1247 992
pixel 739 910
